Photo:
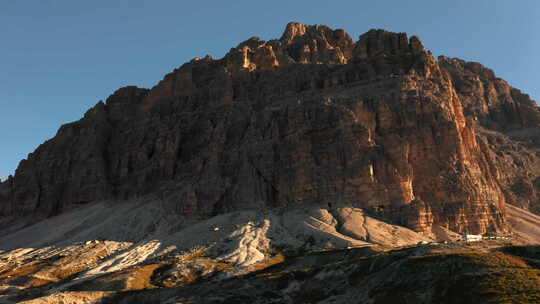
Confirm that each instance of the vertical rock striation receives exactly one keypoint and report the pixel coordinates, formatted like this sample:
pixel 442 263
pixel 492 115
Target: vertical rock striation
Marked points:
pixel 508 124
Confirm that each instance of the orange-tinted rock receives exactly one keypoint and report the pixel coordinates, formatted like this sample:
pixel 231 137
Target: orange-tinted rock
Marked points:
pixel 508 122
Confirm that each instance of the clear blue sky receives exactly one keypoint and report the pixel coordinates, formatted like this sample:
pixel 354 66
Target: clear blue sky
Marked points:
pixel 60 57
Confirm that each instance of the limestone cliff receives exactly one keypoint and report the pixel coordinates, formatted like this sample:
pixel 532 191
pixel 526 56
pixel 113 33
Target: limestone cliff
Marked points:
pixel 311 118
pixel 508 125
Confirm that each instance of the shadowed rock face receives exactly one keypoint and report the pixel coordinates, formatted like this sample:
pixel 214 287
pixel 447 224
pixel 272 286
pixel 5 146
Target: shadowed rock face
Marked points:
pixel 314 118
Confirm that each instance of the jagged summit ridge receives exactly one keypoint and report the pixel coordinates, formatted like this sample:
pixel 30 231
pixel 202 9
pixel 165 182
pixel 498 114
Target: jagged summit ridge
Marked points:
pixel 318 44
pixel 299 44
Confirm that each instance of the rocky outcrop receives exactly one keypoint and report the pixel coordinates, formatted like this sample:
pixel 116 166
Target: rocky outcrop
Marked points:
pixel 311 118
pixel 381 42
pixel 508 124
pixel 489 99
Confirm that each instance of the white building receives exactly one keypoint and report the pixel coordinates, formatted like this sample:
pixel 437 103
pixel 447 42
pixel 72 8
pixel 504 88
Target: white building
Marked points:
pixel 472 237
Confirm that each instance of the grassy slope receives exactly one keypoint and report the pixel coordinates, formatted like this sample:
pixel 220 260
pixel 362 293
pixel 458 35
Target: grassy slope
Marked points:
pixel 414 275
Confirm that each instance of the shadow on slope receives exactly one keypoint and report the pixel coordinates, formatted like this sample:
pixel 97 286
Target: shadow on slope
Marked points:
pixel 444 275
pixel 109 247
pixel 525 225
pixel 111 251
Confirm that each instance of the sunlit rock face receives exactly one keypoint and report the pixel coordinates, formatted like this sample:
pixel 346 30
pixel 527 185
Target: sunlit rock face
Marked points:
pixel 507 121
pixel 311 118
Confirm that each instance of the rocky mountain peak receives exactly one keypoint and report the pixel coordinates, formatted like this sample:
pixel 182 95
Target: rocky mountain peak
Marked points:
pixel 292 30
pixel 294 145
pixel 319 44
pixel 311 118
pixel 307 44
pixel 299 33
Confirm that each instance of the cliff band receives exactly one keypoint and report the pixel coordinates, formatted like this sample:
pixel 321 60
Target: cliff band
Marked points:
pixel 312 118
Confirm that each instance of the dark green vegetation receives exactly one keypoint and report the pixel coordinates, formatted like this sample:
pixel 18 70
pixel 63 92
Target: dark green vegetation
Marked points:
pixel 413 275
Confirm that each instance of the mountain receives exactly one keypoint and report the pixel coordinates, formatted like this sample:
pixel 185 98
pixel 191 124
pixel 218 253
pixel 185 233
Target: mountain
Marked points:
pixel 313 117
pixel 308 142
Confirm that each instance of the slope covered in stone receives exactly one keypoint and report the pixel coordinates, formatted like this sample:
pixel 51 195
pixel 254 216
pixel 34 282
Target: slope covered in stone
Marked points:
pixel 140 252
